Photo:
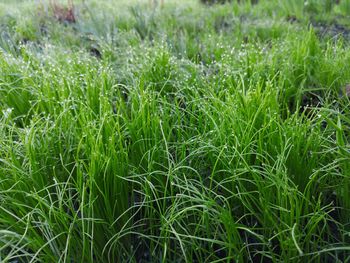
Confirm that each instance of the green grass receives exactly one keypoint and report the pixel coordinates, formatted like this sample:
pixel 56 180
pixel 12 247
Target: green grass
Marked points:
pixel 189 133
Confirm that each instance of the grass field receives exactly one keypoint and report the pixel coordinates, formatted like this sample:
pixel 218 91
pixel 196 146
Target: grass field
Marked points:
pixel 188 133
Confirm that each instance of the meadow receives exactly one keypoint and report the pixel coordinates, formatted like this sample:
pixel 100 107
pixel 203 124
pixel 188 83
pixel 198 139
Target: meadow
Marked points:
pixel 183 133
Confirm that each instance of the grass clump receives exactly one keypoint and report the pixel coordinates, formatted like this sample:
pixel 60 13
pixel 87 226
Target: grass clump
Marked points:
pixel 188 133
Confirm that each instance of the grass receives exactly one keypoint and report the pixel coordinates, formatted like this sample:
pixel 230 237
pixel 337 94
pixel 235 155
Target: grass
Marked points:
pixel 190 133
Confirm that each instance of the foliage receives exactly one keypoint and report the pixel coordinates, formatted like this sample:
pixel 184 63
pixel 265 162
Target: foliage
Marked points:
pixel 187 133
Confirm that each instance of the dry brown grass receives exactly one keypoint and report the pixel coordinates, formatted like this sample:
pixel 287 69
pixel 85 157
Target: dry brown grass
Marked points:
pixel 63 13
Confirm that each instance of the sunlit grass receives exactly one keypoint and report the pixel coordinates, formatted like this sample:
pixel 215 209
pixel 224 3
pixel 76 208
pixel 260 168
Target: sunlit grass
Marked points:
pixel 186 133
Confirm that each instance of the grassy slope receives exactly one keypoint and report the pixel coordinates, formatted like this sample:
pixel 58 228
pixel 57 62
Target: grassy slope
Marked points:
pixel 190 133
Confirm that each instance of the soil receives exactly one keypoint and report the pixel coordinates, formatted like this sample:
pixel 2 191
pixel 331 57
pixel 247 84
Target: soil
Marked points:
pixel 334 30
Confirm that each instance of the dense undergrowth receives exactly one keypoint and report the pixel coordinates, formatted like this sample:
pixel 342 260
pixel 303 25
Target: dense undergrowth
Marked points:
pixel 190 133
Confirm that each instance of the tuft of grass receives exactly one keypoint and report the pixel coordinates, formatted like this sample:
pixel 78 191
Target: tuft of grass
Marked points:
pixel 190 133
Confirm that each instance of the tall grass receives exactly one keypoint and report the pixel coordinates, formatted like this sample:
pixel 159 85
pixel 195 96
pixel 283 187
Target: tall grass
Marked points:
pixel 198 134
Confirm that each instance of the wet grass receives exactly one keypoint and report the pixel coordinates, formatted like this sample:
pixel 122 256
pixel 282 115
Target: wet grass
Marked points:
pixel 190 133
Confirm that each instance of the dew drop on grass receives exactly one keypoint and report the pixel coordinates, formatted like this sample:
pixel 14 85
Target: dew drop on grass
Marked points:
pixel 7 112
